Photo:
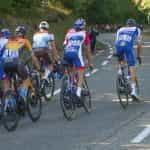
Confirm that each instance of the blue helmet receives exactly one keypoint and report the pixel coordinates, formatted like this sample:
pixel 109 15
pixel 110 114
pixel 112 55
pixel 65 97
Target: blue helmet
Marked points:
pixel 20 29
pixel 131 22
pixel 5 33
pixel 79 24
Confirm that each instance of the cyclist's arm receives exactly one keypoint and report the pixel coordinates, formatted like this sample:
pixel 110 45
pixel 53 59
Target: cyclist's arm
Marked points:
pixel 88 49
pixel 52 47
pixel 34 59
pixel 139 45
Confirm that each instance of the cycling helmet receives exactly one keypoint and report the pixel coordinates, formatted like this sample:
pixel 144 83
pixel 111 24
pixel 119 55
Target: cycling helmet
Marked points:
pixel 131 21
pixel 79 24
pixel 44 25
pixel 20 30
pixel 5 33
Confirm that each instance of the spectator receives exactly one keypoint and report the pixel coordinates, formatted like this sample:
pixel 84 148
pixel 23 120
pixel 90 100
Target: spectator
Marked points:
pixel 93 33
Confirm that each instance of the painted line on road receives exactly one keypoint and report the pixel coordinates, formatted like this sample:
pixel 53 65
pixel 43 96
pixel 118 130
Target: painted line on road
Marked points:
pixel 146 42
pixel 99 52
pixel 110 52
pixel 57 91
pixel 110 56
pixel 141 136
pixel 94 71
pixel 123 99
pixel 104 63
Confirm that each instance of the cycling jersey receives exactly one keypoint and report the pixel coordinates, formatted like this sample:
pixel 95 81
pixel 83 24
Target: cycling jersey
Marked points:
pixel 42 40
pixel 14 48
pixel 74 46
pixel 126 36
pixel 125 39
pixel 3 42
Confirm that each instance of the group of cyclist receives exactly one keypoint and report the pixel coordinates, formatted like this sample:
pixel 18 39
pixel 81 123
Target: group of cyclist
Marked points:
pixel 76 39
pixel 12 46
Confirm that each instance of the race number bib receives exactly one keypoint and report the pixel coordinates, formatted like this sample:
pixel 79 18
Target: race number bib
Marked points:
pixel 10 54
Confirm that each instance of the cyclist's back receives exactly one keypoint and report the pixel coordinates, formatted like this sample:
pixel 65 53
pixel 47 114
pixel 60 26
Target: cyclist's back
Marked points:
pixel 42 39
pixel 126 36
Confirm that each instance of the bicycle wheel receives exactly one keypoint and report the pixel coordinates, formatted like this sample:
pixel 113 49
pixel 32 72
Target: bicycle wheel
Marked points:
pixel 66 99
pixel 86 97
pixel 10 118
pixel 122 91
pixel 34 105
pixel 48 86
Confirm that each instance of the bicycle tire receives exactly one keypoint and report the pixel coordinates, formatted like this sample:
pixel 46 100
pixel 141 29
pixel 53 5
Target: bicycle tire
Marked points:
pixel 10 117
pixel 86 97
pixel 34 102
pixel 122 92
pixel 48 87
pixel 66 100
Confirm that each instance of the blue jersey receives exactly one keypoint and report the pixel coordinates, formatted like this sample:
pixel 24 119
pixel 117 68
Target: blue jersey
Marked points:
pixel 126 36
pixel 3 42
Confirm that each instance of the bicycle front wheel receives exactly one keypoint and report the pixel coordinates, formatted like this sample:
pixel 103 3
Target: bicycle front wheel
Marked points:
pixel 48 86
pixel 10 118
pixel 34 105
pixel 86 97
pixel 122 91
pixel 66 99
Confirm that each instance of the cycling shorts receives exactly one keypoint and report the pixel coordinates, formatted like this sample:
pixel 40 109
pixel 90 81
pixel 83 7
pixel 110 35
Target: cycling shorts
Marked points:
pixel 15 67
pixel 74 59
pixel 2 73
pixel 43 55
pixel 126 53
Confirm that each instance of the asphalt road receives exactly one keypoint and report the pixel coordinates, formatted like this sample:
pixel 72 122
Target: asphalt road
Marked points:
pixel 107 127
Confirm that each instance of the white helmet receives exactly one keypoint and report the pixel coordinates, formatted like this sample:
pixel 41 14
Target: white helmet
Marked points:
pixel 44 24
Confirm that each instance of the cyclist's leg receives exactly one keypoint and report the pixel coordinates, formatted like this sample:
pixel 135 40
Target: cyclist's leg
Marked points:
pixel 131 60
pixel 26 83
pixel 80 66
pixel 35 61
pixel 8 68
pixel 121 58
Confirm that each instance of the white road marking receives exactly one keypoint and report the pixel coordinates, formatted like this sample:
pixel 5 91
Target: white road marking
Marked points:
pixel 87 74
pixel 94 70
pixel 110 56
pixel 123 99
pixel 141 136
pixel 110 52
pixel 56 91
pixel 146 42
pixel 104 62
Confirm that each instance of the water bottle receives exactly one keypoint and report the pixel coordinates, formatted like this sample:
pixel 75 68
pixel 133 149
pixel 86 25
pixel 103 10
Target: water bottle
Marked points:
pixel 23 92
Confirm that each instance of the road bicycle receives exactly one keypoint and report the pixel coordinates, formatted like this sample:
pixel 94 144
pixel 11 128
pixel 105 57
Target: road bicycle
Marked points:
pixel 14 106
pixel 123 86
pixel 69 102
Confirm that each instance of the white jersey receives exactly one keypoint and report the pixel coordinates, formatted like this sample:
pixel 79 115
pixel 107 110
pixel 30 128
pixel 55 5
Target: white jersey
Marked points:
pixel 42 40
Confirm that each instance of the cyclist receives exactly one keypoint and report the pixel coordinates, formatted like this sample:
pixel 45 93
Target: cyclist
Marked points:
pixel 4 35
pixel 125 39
pixel 74 44
pixel 12 62
pixel 43 46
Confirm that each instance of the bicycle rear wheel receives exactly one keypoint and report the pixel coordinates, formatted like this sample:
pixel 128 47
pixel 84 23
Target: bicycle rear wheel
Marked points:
pixel 48 86
pixel 10 118
pixel 122 91
pixel 86 97
pixel 66 99
pixel 34 105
